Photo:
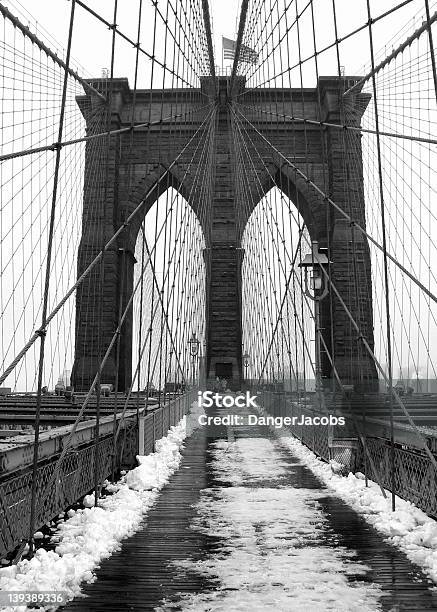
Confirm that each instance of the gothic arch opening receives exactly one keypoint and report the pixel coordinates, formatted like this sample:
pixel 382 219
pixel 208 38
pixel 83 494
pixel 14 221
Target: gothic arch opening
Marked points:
pixel 275 239
pixel 169 303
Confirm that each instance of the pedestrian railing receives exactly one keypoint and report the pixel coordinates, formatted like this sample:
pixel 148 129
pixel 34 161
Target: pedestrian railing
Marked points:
pixel 415 477
pixel 60 486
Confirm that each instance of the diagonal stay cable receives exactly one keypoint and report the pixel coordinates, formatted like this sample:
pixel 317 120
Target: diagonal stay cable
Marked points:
pixel 67 441
pixel 344 214
pixel 130 128
pixel 331 45
pixel 285 297
pixel 361 337
pixel 43 47
pixel 339 126
pixel 99 256
pixel 394 393
pixel 393 55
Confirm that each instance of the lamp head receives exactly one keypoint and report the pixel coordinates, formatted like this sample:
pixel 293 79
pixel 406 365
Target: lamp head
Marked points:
pixel 194 345
pixel 314 262
pixel 314 259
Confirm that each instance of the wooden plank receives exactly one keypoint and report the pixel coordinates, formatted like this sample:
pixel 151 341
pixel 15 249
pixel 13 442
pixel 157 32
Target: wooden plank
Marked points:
pixel 141 575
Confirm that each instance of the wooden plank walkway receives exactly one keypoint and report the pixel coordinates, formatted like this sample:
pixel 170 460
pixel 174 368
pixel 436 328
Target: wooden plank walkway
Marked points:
pixel 141 574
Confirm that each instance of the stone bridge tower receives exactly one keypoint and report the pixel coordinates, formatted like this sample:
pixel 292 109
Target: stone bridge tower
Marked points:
pixel 138 159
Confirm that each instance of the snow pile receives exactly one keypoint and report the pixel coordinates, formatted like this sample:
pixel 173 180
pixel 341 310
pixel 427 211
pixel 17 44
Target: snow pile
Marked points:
pixel 155 469
pixel 336 467
pixel 407 527
pixel 277 551
pixel 87 502
pixel 94 533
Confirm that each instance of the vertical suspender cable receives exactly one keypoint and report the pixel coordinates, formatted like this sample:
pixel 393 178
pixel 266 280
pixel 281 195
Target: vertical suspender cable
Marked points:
pixel 47 284
pixel 385 259
pixel 102 269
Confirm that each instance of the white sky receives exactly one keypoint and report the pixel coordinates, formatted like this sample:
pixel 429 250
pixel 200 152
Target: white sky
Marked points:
pixel 91 49
pixel 91 44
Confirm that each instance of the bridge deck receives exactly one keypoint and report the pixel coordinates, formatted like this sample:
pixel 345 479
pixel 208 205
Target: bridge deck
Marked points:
pixel 142 574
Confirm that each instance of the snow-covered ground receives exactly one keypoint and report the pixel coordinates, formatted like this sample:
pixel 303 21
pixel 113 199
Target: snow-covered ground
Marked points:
pixel 92 534
pixel 277 550
pixel 408 528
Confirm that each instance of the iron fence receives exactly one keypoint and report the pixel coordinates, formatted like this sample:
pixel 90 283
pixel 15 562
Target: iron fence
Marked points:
pixel 415 477
pixel 75 476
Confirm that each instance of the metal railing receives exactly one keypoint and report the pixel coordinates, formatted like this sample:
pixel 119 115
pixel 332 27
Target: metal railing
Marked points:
pixel 415 477
pixel 77 471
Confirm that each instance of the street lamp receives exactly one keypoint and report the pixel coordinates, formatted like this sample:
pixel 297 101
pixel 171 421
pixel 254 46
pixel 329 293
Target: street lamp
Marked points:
pixel 314 278
pixel 316 289
pixel 194 351
pixel 246 361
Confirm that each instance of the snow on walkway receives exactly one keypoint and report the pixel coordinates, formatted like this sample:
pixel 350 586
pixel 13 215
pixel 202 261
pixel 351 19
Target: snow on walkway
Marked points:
pixel 277 550
pixel 93 534
pixel 408 527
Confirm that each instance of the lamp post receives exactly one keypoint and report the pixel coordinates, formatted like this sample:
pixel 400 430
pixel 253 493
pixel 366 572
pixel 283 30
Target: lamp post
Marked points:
pixel 194 351
pixel 316 289
pixel 246 361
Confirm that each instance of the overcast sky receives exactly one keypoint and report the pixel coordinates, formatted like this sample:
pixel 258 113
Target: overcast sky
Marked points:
pixel 92 40
pixel 408 194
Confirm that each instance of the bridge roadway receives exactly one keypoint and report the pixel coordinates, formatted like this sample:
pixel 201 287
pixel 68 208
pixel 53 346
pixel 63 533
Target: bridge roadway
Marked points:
pixel 55 410
pixel 19 409
pixel 156 567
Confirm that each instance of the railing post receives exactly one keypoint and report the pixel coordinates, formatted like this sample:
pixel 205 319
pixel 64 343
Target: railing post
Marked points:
pixel 153 432
pixel 141 435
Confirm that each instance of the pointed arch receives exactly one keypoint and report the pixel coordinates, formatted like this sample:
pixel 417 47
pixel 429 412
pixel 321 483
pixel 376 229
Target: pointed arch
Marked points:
pixel 276 315
pixel 309 204
pixel 171 304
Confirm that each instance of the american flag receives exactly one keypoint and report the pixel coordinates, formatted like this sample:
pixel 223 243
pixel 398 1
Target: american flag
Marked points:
pixel 246 53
